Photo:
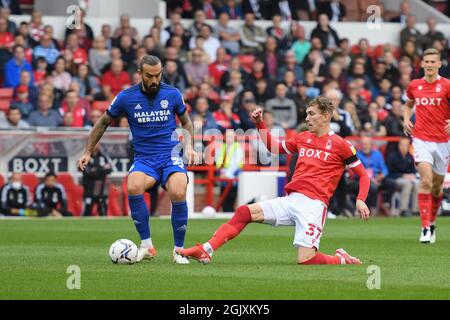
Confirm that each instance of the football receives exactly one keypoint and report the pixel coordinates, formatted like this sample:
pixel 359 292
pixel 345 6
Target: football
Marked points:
pixel 123 251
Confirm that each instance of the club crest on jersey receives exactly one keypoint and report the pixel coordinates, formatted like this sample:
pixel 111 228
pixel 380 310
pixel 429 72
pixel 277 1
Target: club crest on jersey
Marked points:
pixel 164 104
pixel 328 146
pixel 438 87
pixel 420 88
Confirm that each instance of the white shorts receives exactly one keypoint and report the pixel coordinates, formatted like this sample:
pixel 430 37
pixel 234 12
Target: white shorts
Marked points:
pixel 435 153
pixel 296 209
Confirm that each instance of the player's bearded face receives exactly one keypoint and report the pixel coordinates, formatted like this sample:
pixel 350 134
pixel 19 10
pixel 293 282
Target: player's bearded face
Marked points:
pixel 151 78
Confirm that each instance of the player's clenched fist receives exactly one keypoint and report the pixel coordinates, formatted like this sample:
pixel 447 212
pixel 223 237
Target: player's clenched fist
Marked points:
pixel 83 161
pixel 257 115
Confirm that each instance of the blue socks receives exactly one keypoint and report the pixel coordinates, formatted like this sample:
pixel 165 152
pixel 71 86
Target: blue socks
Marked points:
pixel 139 213
pixel 179 222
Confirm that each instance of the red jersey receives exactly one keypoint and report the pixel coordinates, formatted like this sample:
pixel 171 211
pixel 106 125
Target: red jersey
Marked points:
pixel 117 83
pixel 321 162
pixel 432 108
pixel 223 120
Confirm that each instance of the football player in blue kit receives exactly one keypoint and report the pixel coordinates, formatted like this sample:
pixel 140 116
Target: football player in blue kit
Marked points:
pixel 150 107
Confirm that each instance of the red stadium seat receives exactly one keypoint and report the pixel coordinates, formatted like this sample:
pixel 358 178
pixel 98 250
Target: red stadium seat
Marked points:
pixel 2 181
pixel 31 181
pixel 4 105
pixel 114 194
pixel 73 191
pixel 6 93
pixel 101 105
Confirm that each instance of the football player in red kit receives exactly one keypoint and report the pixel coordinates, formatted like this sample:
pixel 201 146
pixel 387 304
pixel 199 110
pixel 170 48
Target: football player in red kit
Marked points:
pixel 322 157
pixel 429 95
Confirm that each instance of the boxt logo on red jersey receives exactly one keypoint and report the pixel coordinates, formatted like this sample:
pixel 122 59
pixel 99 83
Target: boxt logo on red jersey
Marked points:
pixel 313 153
pixel 428 101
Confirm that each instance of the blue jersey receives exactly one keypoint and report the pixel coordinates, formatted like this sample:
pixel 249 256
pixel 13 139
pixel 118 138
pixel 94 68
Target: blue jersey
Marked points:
pixel 151 119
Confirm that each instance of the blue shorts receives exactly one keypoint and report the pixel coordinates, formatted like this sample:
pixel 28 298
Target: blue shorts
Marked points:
pixel 159 168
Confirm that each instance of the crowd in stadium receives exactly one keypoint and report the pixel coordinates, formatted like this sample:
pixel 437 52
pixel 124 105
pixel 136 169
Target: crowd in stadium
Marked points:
pixel 225 71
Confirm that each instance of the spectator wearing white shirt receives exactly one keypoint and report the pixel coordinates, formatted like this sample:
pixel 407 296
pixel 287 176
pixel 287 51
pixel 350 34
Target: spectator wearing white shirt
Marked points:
pixel 210 43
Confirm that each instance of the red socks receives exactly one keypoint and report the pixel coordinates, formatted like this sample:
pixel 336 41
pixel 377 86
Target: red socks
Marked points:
pixel 435 207
pixel 321 258
pixel 232 228
pixel 425 206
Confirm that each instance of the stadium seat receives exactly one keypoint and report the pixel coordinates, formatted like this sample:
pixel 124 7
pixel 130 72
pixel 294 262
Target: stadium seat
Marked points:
pixel 114 208
pixel 31 181
pixel 6 93
pixel 4 105
pixel 101 105
pixel 2 181
pixel 73 191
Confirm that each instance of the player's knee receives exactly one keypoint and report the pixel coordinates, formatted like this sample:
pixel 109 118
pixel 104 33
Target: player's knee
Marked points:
pixel 425 183
pixel 135 189
pixel 178 195
pixel 303 258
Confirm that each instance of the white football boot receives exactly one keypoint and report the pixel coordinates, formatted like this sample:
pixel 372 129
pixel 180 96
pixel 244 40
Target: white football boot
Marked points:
pixel 146 253
pixel 425 235
pixel 179 259
pixel 433 233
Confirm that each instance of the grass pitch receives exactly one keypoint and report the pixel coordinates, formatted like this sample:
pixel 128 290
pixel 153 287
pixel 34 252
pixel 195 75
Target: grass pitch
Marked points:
pixel 259 264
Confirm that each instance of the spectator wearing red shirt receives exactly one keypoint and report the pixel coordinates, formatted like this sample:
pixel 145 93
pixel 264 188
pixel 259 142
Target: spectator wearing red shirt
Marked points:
pixel 40 72
pixel 72 104
pixel 218 67
pixel 225 118
pixel 6 38
pixel 79 54
pixel 115 80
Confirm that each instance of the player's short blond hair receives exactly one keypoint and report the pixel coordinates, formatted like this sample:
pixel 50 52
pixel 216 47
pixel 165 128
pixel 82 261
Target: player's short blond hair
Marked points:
pixel 431 51
pixel 323 103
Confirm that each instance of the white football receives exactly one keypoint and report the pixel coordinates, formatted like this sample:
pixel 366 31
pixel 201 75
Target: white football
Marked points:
pixel 123 251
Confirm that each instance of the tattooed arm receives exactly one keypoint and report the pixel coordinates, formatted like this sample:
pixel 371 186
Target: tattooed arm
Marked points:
pixel 97 132
pixel 187 125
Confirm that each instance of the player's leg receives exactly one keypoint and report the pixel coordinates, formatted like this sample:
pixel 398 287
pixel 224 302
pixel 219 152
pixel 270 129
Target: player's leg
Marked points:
pixel 436 200
pixel 309 217
pixel 176 186
pixel 424 198
pixel 227 231
pixel 423 156
pixel 88 203
pixel 137 183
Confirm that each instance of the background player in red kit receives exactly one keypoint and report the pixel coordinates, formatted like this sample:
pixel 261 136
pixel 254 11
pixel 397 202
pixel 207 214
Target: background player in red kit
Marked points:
pixel 323 156
pixel 430 138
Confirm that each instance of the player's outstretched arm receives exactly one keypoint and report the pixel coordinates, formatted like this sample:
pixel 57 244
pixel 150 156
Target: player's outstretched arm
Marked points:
pixel 97 132
pixel 273 145
pixel 407 113
pixel 364 185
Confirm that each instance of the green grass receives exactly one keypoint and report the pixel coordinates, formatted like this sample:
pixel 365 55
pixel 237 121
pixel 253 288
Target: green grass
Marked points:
pixel 259 264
